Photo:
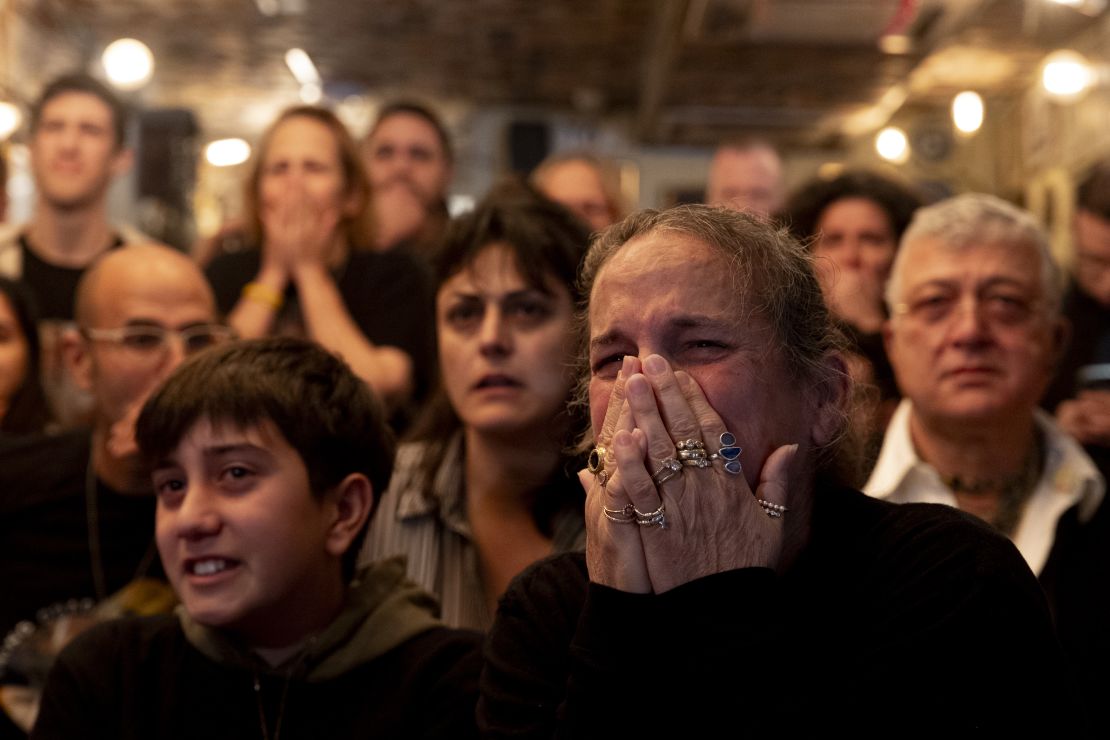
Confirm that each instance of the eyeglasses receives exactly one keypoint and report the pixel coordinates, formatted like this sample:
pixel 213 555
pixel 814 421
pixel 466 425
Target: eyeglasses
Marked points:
pixel 149 340
pixel 1001 307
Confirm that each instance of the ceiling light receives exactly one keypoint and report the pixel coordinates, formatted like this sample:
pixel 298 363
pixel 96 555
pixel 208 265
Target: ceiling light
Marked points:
pixel 128 63
pixel 1087 7
pixel 311 93
pixel 967 111
pixel 10 119
pixel 273 8
pixel 892 145
pixel 300 64
pixel 1066 74
pixel 895 44
pixel 227 152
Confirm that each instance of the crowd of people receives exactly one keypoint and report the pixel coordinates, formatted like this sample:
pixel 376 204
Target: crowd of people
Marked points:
pixel 788 461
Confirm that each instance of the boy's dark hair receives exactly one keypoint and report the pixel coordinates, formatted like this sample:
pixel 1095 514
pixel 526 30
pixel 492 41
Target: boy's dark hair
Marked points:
pixel 325 412
pixel 83 83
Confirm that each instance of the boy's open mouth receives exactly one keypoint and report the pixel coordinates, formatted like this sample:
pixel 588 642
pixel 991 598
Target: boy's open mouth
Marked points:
pixel 208 566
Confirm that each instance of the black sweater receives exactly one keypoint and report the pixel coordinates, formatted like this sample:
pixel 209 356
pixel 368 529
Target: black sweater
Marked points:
pixel 896 621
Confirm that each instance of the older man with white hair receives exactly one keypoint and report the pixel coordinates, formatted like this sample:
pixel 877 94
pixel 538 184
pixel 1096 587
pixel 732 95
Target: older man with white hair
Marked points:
pixel 974 336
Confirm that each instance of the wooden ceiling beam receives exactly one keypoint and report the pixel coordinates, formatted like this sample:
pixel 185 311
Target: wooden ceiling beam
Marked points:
pixel 660 52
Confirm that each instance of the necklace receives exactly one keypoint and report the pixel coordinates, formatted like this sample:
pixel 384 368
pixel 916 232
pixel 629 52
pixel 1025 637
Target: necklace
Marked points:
pixel 92 520
pixel 1014 490
pixel 262 711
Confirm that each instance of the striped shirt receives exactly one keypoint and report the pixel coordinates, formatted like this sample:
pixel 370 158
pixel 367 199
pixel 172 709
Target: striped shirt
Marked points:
pixel 436 538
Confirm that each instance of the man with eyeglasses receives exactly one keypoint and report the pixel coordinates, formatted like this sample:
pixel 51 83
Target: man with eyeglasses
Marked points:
pixel 76 510
pixel 974 335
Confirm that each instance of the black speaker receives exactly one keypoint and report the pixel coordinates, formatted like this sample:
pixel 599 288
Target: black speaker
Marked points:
pixel 529 144
pixel 167 145
pixel 166 156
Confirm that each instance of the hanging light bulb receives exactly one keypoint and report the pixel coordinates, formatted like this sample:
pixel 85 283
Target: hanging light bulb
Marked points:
pixel 302 67
pixel 967 112
pixel 128 63
pixel 1066 75
pixel 311 93
pixel 892 145
pixel 227 152
pixel 10 119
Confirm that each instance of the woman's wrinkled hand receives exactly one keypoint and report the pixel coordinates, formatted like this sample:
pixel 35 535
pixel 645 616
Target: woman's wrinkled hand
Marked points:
pixel 614 552
pixel 713 523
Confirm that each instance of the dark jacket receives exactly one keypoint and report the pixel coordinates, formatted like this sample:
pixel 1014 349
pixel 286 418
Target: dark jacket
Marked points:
pixel 384 668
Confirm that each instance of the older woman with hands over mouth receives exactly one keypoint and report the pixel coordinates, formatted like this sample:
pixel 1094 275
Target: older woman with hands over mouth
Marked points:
pixel 310 269
pixel 485 486
pixel 733 580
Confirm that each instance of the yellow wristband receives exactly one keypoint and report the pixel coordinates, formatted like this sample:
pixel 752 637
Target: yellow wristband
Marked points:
pixel 264 294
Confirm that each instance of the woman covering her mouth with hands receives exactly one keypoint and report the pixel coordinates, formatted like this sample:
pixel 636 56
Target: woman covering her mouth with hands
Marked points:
pixel 733 581
pixel 313 271
pixel 485 487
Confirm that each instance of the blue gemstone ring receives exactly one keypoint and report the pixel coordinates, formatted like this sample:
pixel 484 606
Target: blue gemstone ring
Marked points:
pixel 728 453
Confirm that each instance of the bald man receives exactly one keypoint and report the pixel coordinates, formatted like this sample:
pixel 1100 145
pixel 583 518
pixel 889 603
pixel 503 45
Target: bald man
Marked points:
pixel 746 176
pixel 76 510
pixel 585 184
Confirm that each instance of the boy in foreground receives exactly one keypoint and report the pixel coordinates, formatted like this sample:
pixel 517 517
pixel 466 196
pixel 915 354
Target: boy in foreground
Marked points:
pixel 267 456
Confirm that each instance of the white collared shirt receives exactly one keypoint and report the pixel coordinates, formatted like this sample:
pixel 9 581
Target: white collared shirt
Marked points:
pixel 1069 478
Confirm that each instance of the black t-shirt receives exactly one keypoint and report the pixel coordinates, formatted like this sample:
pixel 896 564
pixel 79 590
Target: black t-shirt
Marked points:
pixel 388 294
pixel 52 285
pixel 45 558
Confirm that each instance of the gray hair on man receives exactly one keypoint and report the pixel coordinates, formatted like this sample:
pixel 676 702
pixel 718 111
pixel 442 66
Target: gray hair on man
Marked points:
pixel 977 219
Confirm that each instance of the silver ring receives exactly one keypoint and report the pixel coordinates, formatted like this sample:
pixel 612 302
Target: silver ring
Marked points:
pixel 729 453
pixel 669 469
pixel 603 477
pixel 627 515
pixel 657 518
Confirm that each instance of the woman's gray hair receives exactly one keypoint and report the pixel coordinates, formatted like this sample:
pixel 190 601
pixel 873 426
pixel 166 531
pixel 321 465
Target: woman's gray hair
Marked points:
pixel 973 220
pixel 774 282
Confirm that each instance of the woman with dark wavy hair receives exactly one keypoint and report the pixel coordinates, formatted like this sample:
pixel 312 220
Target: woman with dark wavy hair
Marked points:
pixel 485 485
pixel 853 223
